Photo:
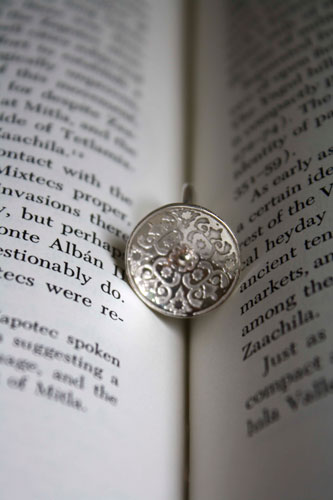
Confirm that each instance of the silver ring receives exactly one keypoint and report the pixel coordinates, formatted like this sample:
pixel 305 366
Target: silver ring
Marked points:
pixel 182 260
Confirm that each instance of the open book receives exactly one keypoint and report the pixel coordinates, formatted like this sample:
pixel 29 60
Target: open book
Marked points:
pixel 101 398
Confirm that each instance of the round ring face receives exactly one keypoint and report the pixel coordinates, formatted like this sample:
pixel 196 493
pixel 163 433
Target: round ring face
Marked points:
pixel 182 260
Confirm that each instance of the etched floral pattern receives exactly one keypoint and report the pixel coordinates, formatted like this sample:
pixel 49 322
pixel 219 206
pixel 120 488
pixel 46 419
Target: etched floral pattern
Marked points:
pixel 182 260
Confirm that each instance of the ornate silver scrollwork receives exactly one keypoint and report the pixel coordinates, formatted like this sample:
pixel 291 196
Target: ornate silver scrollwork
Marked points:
pixel 182 260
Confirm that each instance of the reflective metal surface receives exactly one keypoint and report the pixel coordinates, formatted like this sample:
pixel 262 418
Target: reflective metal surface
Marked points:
pixel 182 260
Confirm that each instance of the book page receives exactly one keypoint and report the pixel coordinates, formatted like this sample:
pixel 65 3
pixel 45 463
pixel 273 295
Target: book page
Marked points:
pixel 91 380
pixel 261 365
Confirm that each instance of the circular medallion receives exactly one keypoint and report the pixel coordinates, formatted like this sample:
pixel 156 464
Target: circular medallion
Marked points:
pixel 182 260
